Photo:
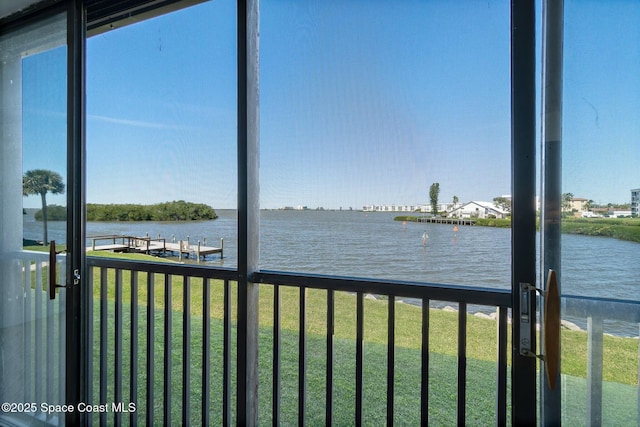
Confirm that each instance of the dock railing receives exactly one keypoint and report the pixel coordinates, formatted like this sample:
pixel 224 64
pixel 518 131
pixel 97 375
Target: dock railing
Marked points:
pixel 149 245
pixel 120 243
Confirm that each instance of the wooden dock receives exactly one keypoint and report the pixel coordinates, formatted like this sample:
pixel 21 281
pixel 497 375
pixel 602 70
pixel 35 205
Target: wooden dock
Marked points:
pixel 151 246
pixel 452 221
pixel 198 250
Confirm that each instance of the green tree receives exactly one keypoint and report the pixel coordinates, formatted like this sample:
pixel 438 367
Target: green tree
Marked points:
pixel 566 201
pixel 434 192
pixel 455 201
pixel 589 205
pixel 167 211
pixel 54 213
pixel 503 203
pixel 42 181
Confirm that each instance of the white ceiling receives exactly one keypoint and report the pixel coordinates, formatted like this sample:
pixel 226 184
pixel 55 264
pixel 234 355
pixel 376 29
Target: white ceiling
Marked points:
pixel 8 7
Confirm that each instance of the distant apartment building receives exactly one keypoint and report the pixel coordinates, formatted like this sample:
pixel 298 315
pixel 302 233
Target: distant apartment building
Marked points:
pixel 635 202
pixel 391 208
pixel 442 207
pixel 448 207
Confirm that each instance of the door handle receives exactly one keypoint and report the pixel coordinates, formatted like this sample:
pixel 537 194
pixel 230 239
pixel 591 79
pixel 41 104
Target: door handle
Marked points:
pixel 52 271
pixel 551 325
pixel 552 329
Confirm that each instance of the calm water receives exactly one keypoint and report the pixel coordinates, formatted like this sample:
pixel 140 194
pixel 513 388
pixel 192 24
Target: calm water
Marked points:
pixel 373 245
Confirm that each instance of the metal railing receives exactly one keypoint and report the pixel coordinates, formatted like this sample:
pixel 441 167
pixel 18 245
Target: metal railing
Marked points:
pixel 172 307
pixel 168 291
pixel 164 340
pixel 424 293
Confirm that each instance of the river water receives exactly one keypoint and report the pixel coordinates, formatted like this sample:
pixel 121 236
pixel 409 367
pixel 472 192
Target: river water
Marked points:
pixel 373 245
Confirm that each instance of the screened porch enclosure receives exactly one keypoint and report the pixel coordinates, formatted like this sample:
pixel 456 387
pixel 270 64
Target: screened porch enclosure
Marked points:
pixel 267 108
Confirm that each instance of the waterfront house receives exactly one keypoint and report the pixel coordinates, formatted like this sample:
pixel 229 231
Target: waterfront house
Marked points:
pixel 90 340
pixel 478 209
pixel 635 201
pixel 579 204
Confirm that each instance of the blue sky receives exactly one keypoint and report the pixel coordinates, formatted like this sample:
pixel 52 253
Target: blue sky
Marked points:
pixel 358 105
pixel 601 146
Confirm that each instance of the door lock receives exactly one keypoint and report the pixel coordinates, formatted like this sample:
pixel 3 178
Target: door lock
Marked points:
pixel 527 315
pixel 52 271
pixel 551 325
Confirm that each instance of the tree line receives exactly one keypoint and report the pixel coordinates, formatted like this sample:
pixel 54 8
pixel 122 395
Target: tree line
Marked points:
pixel 167 211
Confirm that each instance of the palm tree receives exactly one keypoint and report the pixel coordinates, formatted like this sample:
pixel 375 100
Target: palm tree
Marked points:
pixel 42 181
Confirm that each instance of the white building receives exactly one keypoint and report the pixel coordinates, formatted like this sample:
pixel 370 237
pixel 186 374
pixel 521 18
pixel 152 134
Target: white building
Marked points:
pixel 390 208
pixel 620 214
pixel 478 209
pixel 635 202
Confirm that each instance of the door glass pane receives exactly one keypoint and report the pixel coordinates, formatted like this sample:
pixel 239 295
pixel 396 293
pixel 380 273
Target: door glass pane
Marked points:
pixel 366 108
pixel 161 136
pixel 385 141
pixel 33 198
pixel 601 240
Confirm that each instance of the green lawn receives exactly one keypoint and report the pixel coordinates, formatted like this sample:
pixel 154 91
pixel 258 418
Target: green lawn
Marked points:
pixel 617 228
pixel 620 367
pixel 620 359
pixel 443 371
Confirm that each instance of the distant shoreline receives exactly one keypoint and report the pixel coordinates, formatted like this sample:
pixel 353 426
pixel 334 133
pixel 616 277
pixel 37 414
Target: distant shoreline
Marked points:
pixel 627 229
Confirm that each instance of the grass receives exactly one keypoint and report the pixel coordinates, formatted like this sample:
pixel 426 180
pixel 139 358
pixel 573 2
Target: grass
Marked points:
pixel 407 385
pixel 620 353
pixel 620 358
pixel 617 228
pixel 620 363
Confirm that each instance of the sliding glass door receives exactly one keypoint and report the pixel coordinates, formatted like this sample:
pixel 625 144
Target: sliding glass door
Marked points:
pixel 35 200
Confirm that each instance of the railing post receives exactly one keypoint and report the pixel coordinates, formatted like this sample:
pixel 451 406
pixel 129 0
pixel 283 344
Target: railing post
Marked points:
pixel 594 370
pixel 248 210
pixel 424 367
pixel 501 398
pixel 462 364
